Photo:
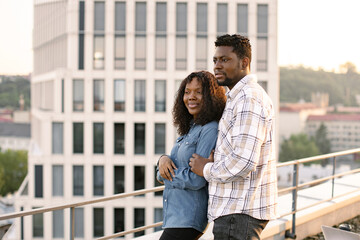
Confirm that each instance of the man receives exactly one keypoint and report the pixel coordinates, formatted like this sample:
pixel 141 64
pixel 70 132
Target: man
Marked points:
pixel 242 171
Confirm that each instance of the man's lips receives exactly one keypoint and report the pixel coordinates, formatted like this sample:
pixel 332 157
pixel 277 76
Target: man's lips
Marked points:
pixel 219 75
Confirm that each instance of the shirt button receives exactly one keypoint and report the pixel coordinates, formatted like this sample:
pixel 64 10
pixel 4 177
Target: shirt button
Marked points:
pixel 187 142
pixel 165 200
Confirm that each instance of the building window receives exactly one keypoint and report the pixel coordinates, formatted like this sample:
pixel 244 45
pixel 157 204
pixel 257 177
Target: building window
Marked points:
pixel 139 220
pixel 78 95
pixel 99 35
pixel 98 180
pixel 119 138
pixel 78 137
pixel 201 53
pixel 262 39
pixel 58 224
pixel 181 36
pixel 242 19
pixel 120 29
pixel 81 35
pixel 201 36
pixel 157 184
pixel 160 138
pixel 119 220
pixel 79 222
pixel 98 222
pixel 139 138
pixel 160 40
pixel 57 180
pixel 119 179
pixel 99 95
pixel 119 95
pixel 38 225
pixel 38 181
pixel 140 95
pixel 98 138
pixel 57 138
pixel 158 217
pixel 222 20
pixel 78 180
pixel 139 178
pixel 160 96
pixel 140 35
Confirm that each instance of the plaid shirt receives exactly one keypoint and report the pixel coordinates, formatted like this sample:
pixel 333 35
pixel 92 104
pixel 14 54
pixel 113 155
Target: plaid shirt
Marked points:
pixel 243 177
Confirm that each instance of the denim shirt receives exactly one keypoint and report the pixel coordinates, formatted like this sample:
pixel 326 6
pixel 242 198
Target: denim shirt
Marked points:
pixel 185 198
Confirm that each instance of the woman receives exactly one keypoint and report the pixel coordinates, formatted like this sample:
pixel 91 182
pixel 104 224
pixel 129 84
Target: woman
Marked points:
pixel 198 107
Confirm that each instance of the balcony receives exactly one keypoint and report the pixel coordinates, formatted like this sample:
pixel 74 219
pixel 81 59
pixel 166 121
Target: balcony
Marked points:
pixel 304 206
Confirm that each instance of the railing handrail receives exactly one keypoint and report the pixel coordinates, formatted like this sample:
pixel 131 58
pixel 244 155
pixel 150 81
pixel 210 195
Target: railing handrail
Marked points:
pixel 295 188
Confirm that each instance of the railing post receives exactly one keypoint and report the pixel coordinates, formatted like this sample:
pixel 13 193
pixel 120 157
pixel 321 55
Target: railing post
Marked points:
pixel 292 235
pixel 72 223
pixel 333 180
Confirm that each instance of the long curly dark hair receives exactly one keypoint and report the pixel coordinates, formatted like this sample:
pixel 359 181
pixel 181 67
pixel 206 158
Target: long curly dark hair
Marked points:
pixel 214 100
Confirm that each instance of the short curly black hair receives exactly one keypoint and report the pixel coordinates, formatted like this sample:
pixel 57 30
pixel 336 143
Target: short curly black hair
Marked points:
pixel 241 44
pixel 214 100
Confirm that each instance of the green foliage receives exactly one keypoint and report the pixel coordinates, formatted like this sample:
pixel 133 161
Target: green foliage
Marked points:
pixel 322 142
pixel 296 147
pixel 11 88
pixel 13 169
pixel 299 83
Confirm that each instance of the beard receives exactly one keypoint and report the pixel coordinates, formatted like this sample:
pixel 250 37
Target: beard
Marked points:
pixel 227 82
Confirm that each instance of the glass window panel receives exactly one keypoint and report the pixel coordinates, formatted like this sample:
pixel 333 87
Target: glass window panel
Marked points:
pixel 81 16
pixel 140 52
pixel 99 16
pixel 261 53
pixel 57 180
pixel 181 17
pixel 78 95
pixel 78 180
pixel 79 222
pixel 78 137
pixel 98 180
pixel 222 16
pixel 120 16
pixel 81 51
pixel 57 138
pixel 139 178
pixel 119 95
pixel 119 220
pixel 38 225
pixel 99 95
pixel 139 138
pixel 140 17
pixel 119 179
pixel 81 34
pixel 181 52
pixel 119 138
pixel 99 51
pixel 262 19
pixel 98 222
pixel 201 16
pixel 161 15
pixel 120 52
pixel 140 95
pixel 139 220
pixel 160 52
pixel 242 19
pixel 158 217
pixel 160 96
pixel 38 181
pixel 58 224
pixel 160 132
pixel 201 53
pixel 98 138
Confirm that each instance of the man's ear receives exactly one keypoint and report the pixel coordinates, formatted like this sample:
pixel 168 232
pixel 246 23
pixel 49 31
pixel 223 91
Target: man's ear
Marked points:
pixel 245 62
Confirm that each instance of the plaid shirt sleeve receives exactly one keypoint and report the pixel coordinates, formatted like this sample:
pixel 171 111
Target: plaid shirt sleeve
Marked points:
pixel 239 141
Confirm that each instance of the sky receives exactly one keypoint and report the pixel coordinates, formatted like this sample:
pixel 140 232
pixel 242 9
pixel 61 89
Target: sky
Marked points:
pixel 313 33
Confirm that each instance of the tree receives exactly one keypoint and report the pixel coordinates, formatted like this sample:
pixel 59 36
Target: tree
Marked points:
pixel 296 147
pixel 322 142
pixel 13 169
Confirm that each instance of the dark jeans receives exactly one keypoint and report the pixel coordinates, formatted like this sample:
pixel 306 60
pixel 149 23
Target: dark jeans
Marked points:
pixel 180 234
pixel 238 227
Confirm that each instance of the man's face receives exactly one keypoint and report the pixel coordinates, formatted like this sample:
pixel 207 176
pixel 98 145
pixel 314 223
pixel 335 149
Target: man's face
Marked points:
pixel 228 68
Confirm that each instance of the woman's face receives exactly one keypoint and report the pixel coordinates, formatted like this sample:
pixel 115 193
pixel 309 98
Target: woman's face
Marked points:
pixel 193 97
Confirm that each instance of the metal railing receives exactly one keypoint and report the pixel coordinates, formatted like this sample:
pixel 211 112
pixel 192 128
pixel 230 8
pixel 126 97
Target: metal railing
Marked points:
pixel 294 189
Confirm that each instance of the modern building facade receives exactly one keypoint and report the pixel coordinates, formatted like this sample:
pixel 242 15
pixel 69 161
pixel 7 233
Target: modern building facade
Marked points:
pixel 105 75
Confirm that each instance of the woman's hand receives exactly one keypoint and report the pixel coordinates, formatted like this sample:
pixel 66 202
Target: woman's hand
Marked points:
pixel 166 167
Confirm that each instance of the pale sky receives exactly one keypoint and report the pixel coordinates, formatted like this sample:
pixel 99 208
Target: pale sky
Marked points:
pixel 313 33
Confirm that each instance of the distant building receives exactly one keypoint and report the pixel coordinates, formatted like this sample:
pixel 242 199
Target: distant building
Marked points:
pixel 15 136
pixel 343 130
pixel 105 75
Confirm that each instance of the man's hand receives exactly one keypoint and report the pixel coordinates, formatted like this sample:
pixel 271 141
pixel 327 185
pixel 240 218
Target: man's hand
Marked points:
pixel 166 168
pixel 197 163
